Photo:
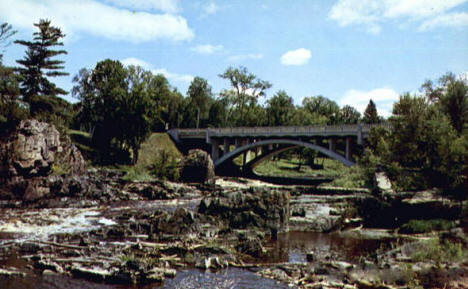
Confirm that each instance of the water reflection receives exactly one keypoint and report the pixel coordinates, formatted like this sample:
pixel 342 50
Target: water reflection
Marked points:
pixel 293 247
pixel 231 278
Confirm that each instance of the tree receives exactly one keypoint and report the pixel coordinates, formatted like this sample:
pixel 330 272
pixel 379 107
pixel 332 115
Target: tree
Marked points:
pixel 217 115
pixel 454 103
pixel 10 110
pixel 422 150
pixel 246 88
pixel 6 31
pixel 121 106
pixel 451 95
pixel 370 114
pixel 348 115
pixel 280 109
pixel 38 64
pixel 322 107
pixel 200 95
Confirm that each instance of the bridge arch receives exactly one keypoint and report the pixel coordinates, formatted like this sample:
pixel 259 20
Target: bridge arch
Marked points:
pixel 291 142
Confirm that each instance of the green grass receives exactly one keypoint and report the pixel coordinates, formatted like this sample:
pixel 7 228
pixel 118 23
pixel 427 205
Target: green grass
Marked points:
pixel 426 226
pixel 342 175
pixel 155 143
pixel 158 159
pixel 439 251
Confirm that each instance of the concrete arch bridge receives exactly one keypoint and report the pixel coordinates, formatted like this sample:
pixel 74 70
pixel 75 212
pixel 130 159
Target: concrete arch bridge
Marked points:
pixel 338 142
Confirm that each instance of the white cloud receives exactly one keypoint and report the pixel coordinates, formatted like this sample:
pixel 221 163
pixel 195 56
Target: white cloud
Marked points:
pixel 207 48
pixel 90 16
pixel 173 76
pixel 185 78
pixel 370 13
pixel 240 57
pixel 211 8
pixel 170 6
pixel 383 98
pixel 446 20
pixel 137 62
pixel 296 57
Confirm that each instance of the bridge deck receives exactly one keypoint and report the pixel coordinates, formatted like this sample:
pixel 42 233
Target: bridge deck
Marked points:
pixel 280 131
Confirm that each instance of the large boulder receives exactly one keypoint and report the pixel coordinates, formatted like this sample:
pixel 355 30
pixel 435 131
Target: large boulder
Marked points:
pixel 198 167
pixel 27 157
pixel 30 151
pixel 263 209
pixel 72 157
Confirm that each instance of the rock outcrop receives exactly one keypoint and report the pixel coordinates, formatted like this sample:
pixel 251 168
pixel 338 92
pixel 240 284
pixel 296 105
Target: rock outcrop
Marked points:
pixel 263 209
pixel 27 158
pixel 198 167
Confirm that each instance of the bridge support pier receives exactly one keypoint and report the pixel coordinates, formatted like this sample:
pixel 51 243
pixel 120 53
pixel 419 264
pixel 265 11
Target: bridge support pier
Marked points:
pixel 226 146
pixel 214 150
pixel 348 149
pixel 332 144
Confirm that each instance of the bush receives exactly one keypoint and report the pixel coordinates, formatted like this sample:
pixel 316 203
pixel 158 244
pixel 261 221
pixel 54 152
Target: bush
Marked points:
pixel 425 226
pixel 439 251
pixel 165 166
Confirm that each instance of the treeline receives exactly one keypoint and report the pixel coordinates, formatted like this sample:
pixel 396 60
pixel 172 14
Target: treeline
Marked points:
pixel 121 105
pixel 427 145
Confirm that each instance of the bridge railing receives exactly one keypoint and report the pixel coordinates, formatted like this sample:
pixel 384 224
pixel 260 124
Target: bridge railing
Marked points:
pixel 293 130
pixel 284 130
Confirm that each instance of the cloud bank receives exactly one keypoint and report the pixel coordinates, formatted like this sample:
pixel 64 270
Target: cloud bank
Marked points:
pixel 370 14
pixel 95 18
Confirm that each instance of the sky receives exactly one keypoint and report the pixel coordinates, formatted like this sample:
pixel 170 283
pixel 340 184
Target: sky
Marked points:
pixel 347 50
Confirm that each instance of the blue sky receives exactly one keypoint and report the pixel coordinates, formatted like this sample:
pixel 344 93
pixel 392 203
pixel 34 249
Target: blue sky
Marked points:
pixel 346 50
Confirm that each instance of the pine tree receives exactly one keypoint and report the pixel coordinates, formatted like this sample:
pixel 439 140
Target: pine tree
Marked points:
pixel 370 114
pixel 38 63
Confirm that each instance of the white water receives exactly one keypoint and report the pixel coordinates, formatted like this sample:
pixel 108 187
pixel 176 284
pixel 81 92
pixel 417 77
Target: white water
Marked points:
pixel 42 224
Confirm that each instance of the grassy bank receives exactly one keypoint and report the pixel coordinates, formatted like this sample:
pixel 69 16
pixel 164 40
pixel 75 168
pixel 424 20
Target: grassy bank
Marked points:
pixel 158 156
pixel 342 175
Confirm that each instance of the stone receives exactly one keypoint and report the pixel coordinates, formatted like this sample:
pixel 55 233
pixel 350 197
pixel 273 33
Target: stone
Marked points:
pixel 252 247
pixel 29 247
pixel 11 273
pixel 49 265
pixel 94 274
pixel 198 167
pixel 264 209
pixel 342 266
pixel 34 145
pixel 181 221
pixel 383 186
pixel 48 272
pixel 27 157
pixel 72 156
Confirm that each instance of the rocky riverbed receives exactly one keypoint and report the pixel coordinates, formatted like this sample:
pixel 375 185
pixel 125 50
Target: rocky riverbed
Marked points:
pixel 232 235
pixel 63 225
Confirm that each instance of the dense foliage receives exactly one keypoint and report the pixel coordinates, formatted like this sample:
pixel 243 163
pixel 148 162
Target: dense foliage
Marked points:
pixel 428 143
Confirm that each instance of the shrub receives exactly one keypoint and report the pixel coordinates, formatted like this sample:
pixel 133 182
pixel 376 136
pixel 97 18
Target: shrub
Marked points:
pixel 425 226
pixel 439 251
pixel 165 166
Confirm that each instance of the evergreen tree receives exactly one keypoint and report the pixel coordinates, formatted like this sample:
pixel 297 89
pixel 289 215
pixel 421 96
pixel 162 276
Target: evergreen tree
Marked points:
pixel 5 33
pixel 370 114
pixel 38 64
